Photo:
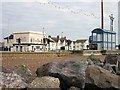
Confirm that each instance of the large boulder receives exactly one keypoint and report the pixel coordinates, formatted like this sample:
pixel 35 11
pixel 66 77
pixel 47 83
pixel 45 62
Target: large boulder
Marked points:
pixel 111 59
pixel 70 73
pixel 98 78
pixel 10 79
pixel 95 60
pixel 45 82
pixel 24 72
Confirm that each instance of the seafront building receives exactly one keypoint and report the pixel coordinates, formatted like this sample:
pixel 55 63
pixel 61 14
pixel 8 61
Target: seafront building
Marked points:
pixel 30 41
pixel 26 41
pixel 102 40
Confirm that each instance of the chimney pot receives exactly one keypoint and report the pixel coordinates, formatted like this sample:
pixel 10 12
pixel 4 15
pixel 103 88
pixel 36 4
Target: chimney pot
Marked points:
pixel 58 36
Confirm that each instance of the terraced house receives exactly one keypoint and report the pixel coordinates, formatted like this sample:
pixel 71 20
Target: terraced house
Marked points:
pixel 59 43
pixel 81 44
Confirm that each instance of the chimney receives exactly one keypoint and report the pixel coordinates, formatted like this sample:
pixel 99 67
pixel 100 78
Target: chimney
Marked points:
pixel 57 36
pixel 49 36
pixel 64 38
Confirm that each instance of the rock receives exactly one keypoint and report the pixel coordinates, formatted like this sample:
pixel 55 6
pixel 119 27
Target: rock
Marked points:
pixel 111 59
pixel 70 73
pixel 5 70
pixel 119 65
pixel 74 88
pixel 98 78
pixel 90 62
pixel 109 68
pixel 19 84
pixel 11 80
pixel 95 60
pixel 45 82
pixel 24 72
pixel 117 71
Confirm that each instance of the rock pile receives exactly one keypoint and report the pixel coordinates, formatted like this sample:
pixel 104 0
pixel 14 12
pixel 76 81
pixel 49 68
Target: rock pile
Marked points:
pixel 88 74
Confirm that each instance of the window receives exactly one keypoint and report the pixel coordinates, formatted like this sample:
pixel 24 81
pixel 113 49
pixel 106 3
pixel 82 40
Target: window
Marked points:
pixel 16 48
pixel 38 48
pixel 31 39
pixel 41 40
pixel 32 47
pixel 37 39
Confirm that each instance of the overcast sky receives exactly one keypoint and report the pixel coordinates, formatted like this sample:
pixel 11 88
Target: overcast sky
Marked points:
pixel 76 19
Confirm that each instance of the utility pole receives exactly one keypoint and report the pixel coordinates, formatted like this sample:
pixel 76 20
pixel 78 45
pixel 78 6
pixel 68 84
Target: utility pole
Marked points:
pixel 62 35
pixel 43 40
pixel 102 16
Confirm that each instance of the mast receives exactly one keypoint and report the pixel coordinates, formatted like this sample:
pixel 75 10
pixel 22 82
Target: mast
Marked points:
pixel 102 16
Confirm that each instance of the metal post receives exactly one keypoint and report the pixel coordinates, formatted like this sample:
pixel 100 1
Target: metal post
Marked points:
pixel 43 40
pixel 62 35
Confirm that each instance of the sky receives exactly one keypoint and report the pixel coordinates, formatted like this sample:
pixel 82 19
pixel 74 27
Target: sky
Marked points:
pixel 76 19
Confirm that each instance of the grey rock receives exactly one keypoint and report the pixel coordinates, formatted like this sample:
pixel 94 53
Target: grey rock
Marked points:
pixel 45 82
pixel 74 88
pixel 5 70
pixel 90 62
pixel 119 65
pixel 95 60
pixel 70 73
pixel 24 72
pixel 7 81
pixel 111 59
pixel 98 78
pixel 108 67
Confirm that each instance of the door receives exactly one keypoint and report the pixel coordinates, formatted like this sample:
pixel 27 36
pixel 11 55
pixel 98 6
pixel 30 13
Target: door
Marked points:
pixel 16 48
pixel 20 48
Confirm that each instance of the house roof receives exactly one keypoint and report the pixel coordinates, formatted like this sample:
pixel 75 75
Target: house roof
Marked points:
pixel 55 39
pixel 97 30
pixel 10 37
pixel 81 40
pixel 22 32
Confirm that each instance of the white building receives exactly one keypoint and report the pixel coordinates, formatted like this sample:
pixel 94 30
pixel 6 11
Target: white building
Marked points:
pixel 26 41
pixel 8 43
pixel 81 44
pixel 57 43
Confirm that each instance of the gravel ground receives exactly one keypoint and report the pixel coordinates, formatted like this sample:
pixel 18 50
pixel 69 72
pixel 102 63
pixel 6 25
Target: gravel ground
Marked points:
pixel 35 61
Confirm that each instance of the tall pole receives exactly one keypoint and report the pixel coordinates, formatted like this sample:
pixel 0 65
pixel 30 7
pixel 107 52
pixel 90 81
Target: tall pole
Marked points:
pixel 8 35
pixel 111 22
pixel 102 16
pixel 43 40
